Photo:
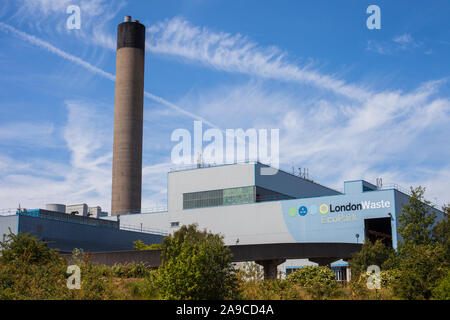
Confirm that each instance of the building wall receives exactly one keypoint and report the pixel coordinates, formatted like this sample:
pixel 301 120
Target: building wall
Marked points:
pixel 8 222
pixel 66 236
pixel 290 185
pixel 273 222
pixel 239 175
pixel 203 179
pixel 314 226
pixel 250 223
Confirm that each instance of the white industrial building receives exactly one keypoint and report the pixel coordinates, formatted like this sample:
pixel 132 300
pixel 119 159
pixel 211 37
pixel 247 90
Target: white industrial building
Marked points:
pixel 248 207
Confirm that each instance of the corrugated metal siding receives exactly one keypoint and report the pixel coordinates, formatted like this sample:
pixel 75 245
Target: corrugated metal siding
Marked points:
pixel 66 235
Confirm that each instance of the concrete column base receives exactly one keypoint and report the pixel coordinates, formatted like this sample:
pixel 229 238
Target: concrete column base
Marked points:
pixel 270 267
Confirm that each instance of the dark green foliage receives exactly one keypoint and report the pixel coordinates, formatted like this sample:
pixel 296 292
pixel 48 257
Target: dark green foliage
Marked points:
pixel 30 270
pixel 442 290
pixel 146 288
pixel 130 270
pixel 441 232
pixel 371 254
pixel 140 245
pixel 25 249
pixel 319 282
pixel 416 220
pixel 421 269
pixel 196 265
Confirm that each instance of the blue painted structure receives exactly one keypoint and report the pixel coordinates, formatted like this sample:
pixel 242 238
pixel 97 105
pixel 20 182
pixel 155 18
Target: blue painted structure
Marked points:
pixel 339 218
pixel 66 232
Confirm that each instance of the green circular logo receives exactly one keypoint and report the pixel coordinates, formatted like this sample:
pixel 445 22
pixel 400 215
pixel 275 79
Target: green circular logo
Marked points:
pixel 292 211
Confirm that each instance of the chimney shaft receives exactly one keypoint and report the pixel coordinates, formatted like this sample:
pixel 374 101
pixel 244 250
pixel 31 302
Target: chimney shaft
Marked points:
pixel 128 118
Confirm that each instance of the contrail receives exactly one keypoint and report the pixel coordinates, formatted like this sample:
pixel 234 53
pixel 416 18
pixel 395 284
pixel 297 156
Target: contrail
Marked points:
pixel 52 49
pixel 45 45
pixel 179 109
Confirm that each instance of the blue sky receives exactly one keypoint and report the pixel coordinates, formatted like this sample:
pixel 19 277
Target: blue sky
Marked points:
pixel 350 103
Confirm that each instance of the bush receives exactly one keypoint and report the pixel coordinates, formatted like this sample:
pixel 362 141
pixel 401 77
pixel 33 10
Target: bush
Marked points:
pixel 130 270
pixel 421 269
pixel 146 288
pixel 359 289
pixel 319 282
pixel 250 271
pixel 30 270
pixel 196 265
pixel 140 245
pixel 442 291
pixel 371 254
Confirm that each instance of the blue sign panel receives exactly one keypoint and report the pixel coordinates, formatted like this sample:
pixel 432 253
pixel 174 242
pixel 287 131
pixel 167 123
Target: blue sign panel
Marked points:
pixel 338 218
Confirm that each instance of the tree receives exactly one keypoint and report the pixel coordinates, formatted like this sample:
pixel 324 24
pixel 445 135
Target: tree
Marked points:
pixel 442 290
pixel 441 232
pixel 140 245
pixel 26 249
pixel 371 254
pixel 196 265
pixel 416 219
pixel 31 270
pixel 422 268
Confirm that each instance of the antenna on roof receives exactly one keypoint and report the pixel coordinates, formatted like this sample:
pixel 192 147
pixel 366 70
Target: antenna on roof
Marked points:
pixel 379 183
pixel 199 160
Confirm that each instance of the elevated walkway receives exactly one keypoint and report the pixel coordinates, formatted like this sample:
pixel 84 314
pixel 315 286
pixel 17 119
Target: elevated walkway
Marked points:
pixel 267 255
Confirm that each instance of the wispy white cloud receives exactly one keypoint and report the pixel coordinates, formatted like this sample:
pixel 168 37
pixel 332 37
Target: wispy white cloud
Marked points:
pixel 405 41
pixel 338 140
pixel 399 43
pixel 28 134
pixel 87 177
pixel 94 69
pixel 50 16
pixel 52 49
pixel 235 53
pixel 360 133
pixel 35 181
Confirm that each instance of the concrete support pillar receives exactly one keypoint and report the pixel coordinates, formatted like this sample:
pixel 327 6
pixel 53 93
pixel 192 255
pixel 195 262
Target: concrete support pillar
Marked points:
pixel 349 274
pixel 270 267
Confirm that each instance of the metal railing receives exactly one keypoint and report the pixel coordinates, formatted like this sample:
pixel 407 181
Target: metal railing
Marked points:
pixel 8 211
pixel 162 208
pixel 208 165
pixel 129 227
pixel 59 216
pixel 403 190
pixel 396 187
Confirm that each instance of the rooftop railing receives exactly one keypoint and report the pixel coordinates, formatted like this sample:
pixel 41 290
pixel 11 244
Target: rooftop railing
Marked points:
pixel 59 216
pixel 136 228
pixel 8 211
pixel 162 208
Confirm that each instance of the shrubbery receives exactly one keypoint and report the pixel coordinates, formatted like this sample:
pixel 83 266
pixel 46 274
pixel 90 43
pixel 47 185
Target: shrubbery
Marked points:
pixel 442 290
pixel 319 282
pixel 30 270
pixel 196 265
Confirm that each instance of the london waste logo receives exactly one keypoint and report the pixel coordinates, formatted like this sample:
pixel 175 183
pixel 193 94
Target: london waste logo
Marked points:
pixel 341 209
